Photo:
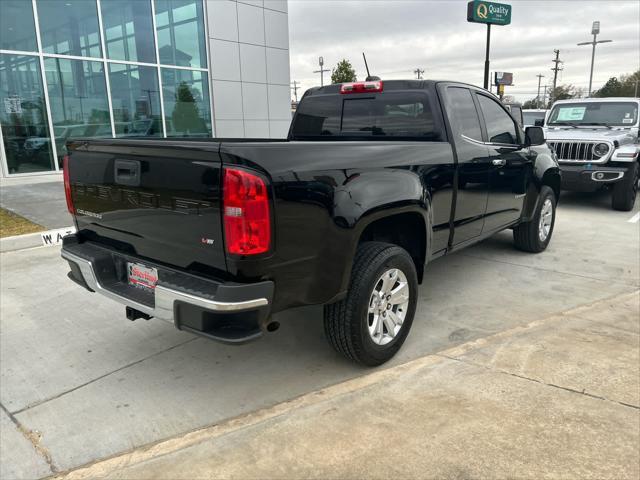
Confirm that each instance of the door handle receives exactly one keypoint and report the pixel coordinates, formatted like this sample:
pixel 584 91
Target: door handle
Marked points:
pixel 499 162
pixel 127 172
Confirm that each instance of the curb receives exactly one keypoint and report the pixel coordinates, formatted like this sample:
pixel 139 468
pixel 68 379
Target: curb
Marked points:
pixel 46 238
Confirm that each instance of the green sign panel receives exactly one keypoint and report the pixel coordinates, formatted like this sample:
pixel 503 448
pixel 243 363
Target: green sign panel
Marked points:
pixel 480 11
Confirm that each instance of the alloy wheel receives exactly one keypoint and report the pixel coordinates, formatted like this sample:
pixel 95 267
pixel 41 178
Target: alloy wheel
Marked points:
pixel 546 220
pixel 388 305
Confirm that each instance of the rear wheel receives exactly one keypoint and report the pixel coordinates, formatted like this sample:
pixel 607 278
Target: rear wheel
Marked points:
pixel 370 325
pixel 535 235
pixel 624 193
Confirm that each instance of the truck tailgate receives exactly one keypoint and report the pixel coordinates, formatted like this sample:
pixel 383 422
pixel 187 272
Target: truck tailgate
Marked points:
pixel 158 199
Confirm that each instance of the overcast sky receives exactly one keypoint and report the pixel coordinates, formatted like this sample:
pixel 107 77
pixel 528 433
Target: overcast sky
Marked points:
pixel 400 35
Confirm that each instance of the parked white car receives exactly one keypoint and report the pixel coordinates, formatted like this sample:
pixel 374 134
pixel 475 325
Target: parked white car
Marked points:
pixel 596 142
pixel 534 117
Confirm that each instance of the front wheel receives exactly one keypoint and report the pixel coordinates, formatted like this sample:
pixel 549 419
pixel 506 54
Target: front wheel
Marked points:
pixel 623 196
pixel 370 325
pixel 534 236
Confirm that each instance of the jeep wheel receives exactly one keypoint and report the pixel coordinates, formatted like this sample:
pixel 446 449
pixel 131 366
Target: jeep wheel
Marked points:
pixel 370 325
pixel 625 191
pixel 535 235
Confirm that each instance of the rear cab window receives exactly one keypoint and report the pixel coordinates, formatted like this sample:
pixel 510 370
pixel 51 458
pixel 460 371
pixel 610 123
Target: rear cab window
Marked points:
pixel 462 113
pixel 406 115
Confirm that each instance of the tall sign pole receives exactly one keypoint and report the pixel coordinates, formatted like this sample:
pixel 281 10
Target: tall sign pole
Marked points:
pixel 595 30
pixel 489 13
pixel 486 58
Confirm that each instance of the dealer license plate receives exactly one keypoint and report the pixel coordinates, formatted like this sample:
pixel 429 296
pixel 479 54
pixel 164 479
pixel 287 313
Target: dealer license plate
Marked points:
pixel 142 276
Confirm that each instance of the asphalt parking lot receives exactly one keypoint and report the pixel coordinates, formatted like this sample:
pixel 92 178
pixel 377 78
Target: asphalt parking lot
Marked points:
pixel 79 382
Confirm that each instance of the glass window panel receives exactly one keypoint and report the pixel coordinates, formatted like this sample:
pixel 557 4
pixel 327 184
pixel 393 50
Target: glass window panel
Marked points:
pixel 69 27
pixel 463 112
pixel 186 103
pixel 500 125
pixel 392 114
pixel 135 97
pixel 181 33
pixel 17 28
pixel 78 98
pixel 128 29
pixel 23 116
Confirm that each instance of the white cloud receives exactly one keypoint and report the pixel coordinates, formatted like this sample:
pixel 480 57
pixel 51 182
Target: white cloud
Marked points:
pixel 400 35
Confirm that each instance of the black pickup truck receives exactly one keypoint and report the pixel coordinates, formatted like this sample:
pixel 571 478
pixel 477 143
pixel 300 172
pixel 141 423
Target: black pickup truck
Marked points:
pixel 375 180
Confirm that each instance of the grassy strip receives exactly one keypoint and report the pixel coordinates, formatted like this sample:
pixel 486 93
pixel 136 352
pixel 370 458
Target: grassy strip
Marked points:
pixel 12 224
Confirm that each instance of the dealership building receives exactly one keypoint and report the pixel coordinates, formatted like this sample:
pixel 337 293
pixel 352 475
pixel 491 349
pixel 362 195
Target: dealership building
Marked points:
pixel 124 68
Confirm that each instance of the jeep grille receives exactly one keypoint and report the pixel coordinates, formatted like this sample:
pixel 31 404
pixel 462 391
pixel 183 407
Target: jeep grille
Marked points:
pixel 577 151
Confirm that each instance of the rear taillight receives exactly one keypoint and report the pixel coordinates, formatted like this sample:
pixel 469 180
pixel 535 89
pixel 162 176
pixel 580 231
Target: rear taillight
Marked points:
pixel 67 185
pixel 246 215
pixel 362 87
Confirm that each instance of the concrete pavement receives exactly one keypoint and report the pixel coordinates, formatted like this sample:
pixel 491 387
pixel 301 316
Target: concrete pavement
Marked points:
pixel 546 400
pixel 79 382
pixel 39 199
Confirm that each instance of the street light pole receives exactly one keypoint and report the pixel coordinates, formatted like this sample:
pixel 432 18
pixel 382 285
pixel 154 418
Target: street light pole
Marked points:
pixel 321 71
pixel 595 30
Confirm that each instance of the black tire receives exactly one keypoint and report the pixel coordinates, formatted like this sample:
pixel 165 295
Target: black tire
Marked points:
pixel 624 193
pixel 526 236
pixel 346 323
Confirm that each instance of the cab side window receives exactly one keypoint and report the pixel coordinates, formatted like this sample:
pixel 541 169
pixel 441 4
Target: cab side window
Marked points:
pixel 462 113
pixel 516 112
pixel 501 127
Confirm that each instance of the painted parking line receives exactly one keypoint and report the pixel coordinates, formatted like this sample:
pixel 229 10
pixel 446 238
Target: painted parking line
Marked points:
pixel 635 218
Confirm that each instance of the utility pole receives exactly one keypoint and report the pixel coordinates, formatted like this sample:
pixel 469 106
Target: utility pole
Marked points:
pixel 321 71
pixel 540 77
pixel 295 89
pixel 418 73
pixel 544 97
pixel 595 30
pixel 555 71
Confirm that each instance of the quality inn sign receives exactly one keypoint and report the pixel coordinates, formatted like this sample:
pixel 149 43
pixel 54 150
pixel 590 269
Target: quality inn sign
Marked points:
pixel 492 13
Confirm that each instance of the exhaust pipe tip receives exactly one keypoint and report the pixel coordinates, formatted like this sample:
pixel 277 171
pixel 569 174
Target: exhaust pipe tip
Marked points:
pixel 273 326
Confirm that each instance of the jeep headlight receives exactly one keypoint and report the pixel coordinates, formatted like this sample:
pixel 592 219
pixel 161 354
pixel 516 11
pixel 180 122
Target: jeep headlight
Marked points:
pixel 600 149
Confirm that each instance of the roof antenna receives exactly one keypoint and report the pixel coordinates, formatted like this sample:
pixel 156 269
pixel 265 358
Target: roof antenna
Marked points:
pixel 369 77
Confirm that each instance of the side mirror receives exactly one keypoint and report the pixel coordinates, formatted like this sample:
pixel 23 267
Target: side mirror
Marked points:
pixel 533 136
pixel 539 122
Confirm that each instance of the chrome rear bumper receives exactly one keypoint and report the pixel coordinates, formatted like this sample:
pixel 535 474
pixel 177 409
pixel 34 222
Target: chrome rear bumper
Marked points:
pixel 228 312
pixel 165 298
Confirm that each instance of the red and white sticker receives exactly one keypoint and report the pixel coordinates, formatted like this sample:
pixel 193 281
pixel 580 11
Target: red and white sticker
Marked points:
pixel 142 276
